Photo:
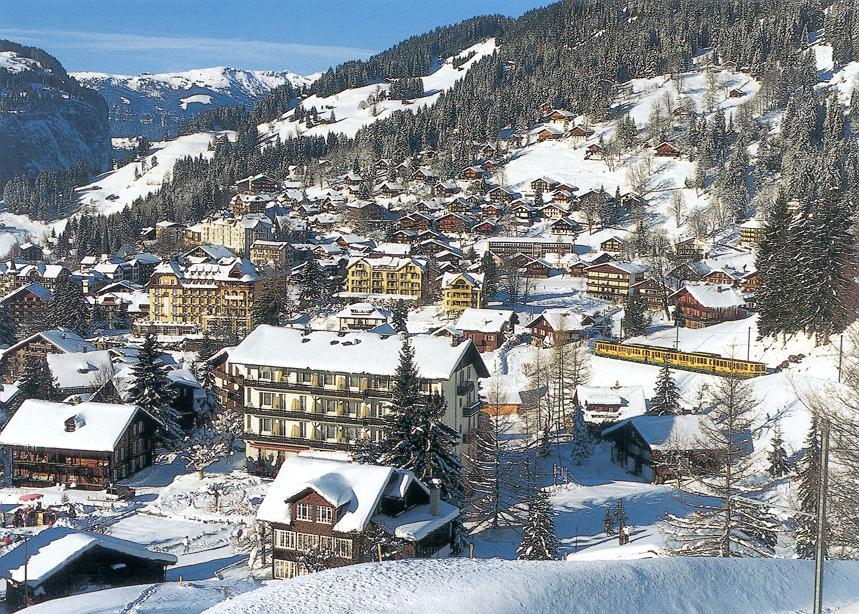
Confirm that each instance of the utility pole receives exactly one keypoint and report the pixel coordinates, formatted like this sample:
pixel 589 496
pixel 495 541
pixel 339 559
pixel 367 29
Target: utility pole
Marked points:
pixel 749 344
pixel 823 485
pixel 26 559
pixel 840 356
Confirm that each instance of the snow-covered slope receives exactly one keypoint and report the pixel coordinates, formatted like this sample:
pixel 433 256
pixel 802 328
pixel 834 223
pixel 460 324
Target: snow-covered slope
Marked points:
pixel 541 587
pixel 152 104
pixel 345 105
pixel 115 190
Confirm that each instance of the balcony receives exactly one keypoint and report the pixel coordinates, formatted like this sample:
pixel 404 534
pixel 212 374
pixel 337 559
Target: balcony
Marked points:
pixel 469 410
pixel 318 389
pixel 299 442
pixel 464 388
pixel 314 416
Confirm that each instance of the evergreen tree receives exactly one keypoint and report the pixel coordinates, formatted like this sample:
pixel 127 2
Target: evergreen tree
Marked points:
pixel 778 465
pixel 37 382
pixel 666 395
pixel 311 286
pixel 539 542
pixel 149 390
pixel 808 475
pixel 582 444
pixel 267 304
pixel 490 274
pixel 778 286
pixel 68 308
pixel 7 327
pixel 635 316
pixel 620 517
pixel 608 522
pixel 399 316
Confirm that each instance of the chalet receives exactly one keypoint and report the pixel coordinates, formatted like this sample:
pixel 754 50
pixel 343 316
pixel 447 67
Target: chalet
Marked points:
pixel 90 445
pixel 382 165
pixel 565 226
pixel 609 404
pixel 536 267
pixel 362 316
pixel 454 222
pixel 416 221
pixel 723 276
pixel 651 291
pixel 501 194
pixel 25 307
pixel 524 214
pixel 445 188
pixel 750 281
pixel 242 204
pixel 594 151
pixel 563 197
pixel 256 183
pixel 390 189
pixel 666 150
pixel 700 305
pixel 562 325
pixel 78 373
pixel 59 561
pixel 368 213
pixel 653 446
pixel 688 249
pixel 493 210
pixel 424 175
pixel 548 133
pixel 472 173
pixel 37 347
pixel 334 505
pixel 486 227
pixel 736 93
pixel 553 211
pixel 352 180
pixel 613 245
pixel 486 328
pixel 404 235
pixel 579 134
pixel 597 198
pixel 543 184
pixel 30 252
pixel 613 280
pixel 459 205
pixel 490 165
pixel 752 232
pixel 632 200
pixel 559 117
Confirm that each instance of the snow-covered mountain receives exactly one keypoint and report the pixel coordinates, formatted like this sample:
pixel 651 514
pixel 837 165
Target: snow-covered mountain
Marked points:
pixel 154 104
pixel 47 120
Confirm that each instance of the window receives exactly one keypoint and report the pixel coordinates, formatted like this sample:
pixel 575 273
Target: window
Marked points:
pixel 325 514
pixel 265 425
pixel 303 511
pixel 286 569
pixel 266 399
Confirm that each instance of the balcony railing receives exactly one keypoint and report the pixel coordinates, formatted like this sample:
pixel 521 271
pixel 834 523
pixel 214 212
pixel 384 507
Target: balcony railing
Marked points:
pixel 470 410
pixel 303 442
pixel 314 416
pixel 319 389
pixel 464 388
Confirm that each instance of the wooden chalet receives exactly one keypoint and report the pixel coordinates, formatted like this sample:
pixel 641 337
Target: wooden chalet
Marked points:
pixel 559 117
pixel 485 227
pixel 256 183
pixel 89 445
pixel 334 505
pixel 424 175
pixel 472 173
pixel 454 222
pixel 565 226
pixel 500 194
pixel 390 189
pixel 486 328
pixel 553 211
pixel 416 221
pixel 493 210
pixel 594 151
pixel 60 561
pixel 446 188
pixel 543 184
pixel 548 133
pixel 37 347
pixel 561 325
pixel 651 291
pixel 666 150
pixel 579 133
pixel 736 93
pixel 613 245
pixel 688 249
pixel 25 306
pixel 700 305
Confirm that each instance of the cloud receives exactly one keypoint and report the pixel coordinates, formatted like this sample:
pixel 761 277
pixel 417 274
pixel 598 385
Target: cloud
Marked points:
pixel 238 51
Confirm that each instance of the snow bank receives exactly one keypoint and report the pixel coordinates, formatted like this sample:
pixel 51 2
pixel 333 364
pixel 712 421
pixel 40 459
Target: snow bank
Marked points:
pixel 461 585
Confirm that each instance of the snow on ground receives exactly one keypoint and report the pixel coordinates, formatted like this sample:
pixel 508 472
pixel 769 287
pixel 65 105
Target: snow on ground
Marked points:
pixel 219 78
pixel 17 229
pixel 116 190
pixel 461 585
pixel 196 98
pixel 846 81
pixel 350 118
pixel 15 63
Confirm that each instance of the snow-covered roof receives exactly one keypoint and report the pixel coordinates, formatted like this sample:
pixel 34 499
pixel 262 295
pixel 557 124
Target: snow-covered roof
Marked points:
pixel 63 339
pixel 475 279
pixel 363 311
pixel 666 432
pixel 358 487
pixel 36 288
pixel 389 262
pixel 99 426
pixel 714 296
pixel 629 399
pixel 627 267
pixel 484 320
pixel 81 369
pixel 564 318
pixel 50 551
pixel 354 352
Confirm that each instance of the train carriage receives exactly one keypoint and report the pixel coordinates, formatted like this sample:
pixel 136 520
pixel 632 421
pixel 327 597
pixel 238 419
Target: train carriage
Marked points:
pixel 702 362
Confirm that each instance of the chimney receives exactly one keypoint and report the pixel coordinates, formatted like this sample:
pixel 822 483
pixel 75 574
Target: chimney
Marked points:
pixel 435 496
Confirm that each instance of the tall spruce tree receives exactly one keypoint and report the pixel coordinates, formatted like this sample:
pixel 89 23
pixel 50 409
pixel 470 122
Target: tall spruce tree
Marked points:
pixel 582 444
pixel 37 382
pixel 68 308
pixel 490 274
pixel 7 327
pixel 666 395
pixel 635 316
pixel 150 390
pixel 808 474
pixel 776 309
pixel 731 526
pixel 539 542
pixel 777 458
pixel 311 287
pixel 399 316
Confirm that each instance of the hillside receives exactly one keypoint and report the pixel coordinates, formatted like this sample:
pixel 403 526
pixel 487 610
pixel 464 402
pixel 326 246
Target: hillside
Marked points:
pixel 462 586
pixel 152 105
pixel 47 120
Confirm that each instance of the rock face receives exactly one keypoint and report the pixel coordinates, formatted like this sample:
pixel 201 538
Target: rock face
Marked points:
pixel 151 105
pixel 47 119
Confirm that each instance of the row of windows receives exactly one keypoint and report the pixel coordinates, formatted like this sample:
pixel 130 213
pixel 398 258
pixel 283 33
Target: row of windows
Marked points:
pixel 324 513
pixel 302 542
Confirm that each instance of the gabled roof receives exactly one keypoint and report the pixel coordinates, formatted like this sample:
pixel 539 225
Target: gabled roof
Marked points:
pixel 713 296
pixel 484 320
pixel 81 369
pixel 667 432
pixel 50 551
pixel 35 289
pixel 475 279
pixel 63 339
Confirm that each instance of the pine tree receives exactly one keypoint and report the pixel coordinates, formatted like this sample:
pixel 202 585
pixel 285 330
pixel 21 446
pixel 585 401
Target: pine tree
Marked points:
pixel 808 475
pixel 68 308
pixel 774 304
pixel 399 316
pixel 490 274
pixel 635 316
pixel 620 517
pixel 778 465
pixel 666 395
pixel 267 304
pixel 150 392
pixel 582 445
pixel 608 522
pixel 311 287
pixel 730 527
pixel 37 382
pixel 539 542
pixel 7 327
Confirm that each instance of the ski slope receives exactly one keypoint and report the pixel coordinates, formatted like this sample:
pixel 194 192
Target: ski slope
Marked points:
pixel 345 105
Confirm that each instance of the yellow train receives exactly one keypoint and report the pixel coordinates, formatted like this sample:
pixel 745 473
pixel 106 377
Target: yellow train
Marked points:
pixel 687 361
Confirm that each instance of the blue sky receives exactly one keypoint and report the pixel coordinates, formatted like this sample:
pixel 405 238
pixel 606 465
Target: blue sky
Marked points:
pixel 133 36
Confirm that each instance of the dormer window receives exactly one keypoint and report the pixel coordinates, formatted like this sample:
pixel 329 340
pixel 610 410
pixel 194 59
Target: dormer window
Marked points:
pixel 324 514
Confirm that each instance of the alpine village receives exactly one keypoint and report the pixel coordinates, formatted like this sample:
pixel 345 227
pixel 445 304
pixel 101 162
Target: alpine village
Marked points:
pixel 553 313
